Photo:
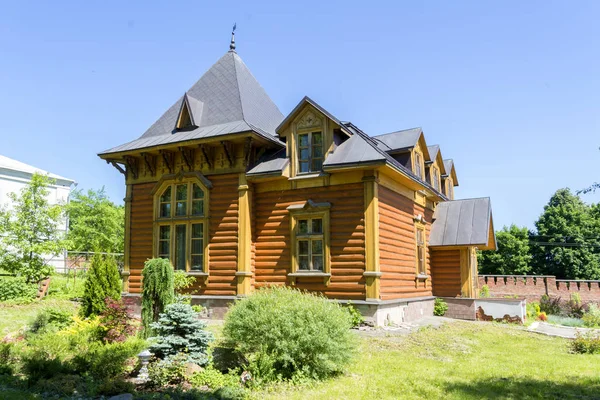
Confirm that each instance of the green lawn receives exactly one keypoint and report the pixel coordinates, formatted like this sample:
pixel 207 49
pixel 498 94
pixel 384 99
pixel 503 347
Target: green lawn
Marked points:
pixel 460 361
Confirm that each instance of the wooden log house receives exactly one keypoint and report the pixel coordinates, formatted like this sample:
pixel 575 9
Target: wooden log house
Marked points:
pixel 242 197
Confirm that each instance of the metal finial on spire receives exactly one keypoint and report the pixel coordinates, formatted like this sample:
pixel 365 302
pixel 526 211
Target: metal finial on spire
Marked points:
pixel 232 44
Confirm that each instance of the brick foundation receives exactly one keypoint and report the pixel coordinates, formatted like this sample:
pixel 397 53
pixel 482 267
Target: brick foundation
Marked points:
pixel 459 308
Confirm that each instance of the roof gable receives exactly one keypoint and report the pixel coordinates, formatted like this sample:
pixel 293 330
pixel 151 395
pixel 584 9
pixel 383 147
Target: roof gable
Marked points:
pixel 463 223
pixel 450 170
pixel 226 96
pixel 435 155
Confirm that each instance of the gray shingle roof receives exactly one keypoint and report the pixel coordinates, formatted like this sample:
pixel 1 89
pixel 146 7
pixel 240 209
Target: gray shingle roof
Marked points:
pixel 400 140
pixel 353 151
pixel 451 169
pixel 227 98
pixel 273 164
pixel 463 223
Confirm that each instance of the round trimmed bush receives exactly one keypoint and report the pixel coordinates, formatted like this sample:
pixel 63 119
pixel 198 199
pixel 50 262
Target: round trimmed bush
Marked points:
pixel 286 334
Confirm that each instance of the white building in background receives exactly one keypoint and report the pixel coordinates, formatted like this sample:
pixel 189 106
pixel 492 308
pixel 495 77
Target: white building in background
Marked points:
pixel 15 175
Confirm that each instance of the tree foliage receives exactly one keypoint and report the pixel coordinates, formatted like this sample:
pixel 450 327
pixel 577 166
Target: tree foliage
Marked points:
pixel 179 331
pixel 95 223
pixel 157 290
pixel 103 281
pixel 30 230
pixel 569 238
pixel 511 257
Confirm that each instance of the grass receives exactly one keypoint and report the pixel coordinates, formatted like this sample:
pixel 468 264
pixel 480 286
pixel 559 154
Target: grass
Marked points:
pixel 459 361
pixel 566 321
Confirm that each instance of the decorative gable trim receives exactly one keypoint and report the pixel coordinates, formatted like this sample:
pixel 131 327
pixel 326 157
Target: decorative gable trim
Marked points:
pixel 180 176
pixel 309 120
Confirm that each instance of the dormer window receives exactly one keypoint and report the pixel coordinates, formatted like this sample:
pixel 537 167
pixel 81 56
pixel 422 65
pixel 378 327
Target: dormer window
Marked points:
pixel 418 165
pixel 310 152
pixel 435 178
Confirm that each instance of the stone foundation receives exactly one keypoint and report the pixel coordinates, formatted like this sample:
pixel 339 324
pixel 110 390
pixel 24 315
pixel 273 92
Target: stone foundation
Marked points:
pixel 394 311
pixel 215 306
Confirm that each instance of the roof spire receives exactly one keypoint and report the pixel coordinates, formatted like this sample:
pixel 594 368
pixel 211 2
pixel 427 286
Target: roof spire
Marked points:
pixel 232 44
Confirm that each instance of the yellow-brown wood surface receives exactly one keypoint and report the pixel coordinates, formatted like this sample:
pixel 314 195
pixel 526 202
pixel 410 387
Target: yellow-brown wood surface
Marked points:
pixel 222 249
pixel 445 271
pixel 397 246
pixel 347 244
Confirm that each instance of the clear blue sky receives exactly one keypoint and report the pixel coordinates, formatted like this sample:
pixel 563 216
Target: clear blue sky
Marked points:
pixel 510 90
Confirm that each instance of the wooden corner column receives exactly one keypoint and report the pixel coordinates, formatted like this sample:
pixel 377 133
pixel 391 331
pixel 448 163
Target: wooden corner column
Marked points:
pixel 244 273
pixel 372 271
pixel 468 269
pixel 126 250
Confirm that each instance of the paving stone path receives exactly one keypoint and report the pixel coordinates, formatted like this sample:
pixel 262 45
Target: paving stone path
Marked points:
pixel 556 330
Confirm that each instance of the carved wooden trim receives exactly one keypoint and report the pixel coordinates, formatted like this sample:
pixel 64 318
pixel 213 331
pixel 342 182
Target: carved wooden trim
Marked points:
pixel 117 166
pixel 228 149
pixel 188 157
pixel 169 159
pixel 150 161
pixel 181 175
pixel 132 166
pixel 247 151
pixel 206 155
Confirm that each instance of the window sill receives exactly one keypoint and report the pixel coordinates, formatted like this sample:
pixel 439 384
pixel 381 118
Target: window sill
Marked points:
pixel 421 277
pixel 197 273
pixel 309 274
pixel 308 176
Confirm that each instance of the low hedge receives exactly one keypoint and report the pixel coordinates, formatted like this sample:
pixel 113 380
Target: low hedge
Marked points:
pixel 16 287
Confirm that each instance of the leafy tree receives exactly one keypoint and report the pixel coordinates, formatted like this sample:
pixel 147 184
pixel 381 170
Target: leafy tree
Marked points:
pixel 31 230
pixel 512 256
pixel 103 282
pixel 568 237
pixel 157 290
pixel 95 223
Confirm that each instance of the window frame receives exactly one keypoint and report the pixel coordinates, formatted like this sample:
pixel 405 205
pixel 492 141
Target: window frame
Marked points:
pixel 295 216
pixel 435 178
pixel 188 220
pixel 420 162
pixel 421 273
pixel 309 133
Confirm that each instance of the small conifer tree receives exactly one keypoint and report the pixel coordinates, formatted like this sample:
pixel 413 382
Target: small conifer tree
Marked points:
pixel 103 281
pixel 179 331
pixel 157 290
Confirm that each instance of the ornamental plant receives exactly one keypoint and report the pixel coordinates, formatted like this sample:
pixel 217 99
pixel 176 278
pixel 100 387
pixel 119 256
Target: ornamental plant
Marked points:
pixel 287 334
pixel 439 307
pixel 157 290
pixel 103 281
pixel 115 324
pixel 179 331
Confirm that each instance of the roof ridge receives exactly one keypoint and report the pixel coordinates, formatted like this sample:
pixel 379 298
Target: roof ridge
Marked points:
pixel 237 82
pixel 399 131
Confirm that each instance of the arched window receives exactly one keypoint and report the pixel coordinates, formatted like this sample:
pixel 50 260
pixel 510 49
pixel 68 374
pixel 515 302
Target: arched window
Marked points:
pixel 181 225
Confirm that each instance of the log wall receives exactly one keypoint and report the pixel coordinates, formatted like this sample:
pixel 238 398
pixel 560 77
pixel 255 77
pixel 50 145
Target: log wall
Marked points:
pixel 222 247
pixel 397 246
pixel 347 239
pixel 445 273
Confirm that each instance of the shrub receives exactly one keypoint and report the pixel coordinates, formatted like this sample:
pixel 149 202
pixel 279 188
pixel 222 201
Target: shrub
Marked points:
pixel 566 321
pixel 440 307
pixel 484 292
pixel 157 290
pixel 591 318
pixel 355 315
pixel 575 307
pixel 7 359
pixel 588 343
pixel 168 371
pixel 16 287
pixel 51 318
pixel 179 331
pixel 102 361
pixel 542 316
pixel 115 324
pixel 550 305
pixel 287 334
pixel 533 309
pixel 103 281
pixel 214 379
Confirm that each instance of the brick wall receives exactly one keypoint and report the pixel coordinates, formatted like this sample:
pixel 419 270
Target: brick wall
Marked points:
pixel 533 287
pixel 460 308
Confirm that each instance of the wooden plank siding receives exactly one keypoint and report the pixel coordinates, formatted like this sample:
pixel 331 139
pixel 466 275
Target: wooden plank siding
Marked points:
pixel 397 246
pixel 223 230
pixel 445 272
pixel 272 247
